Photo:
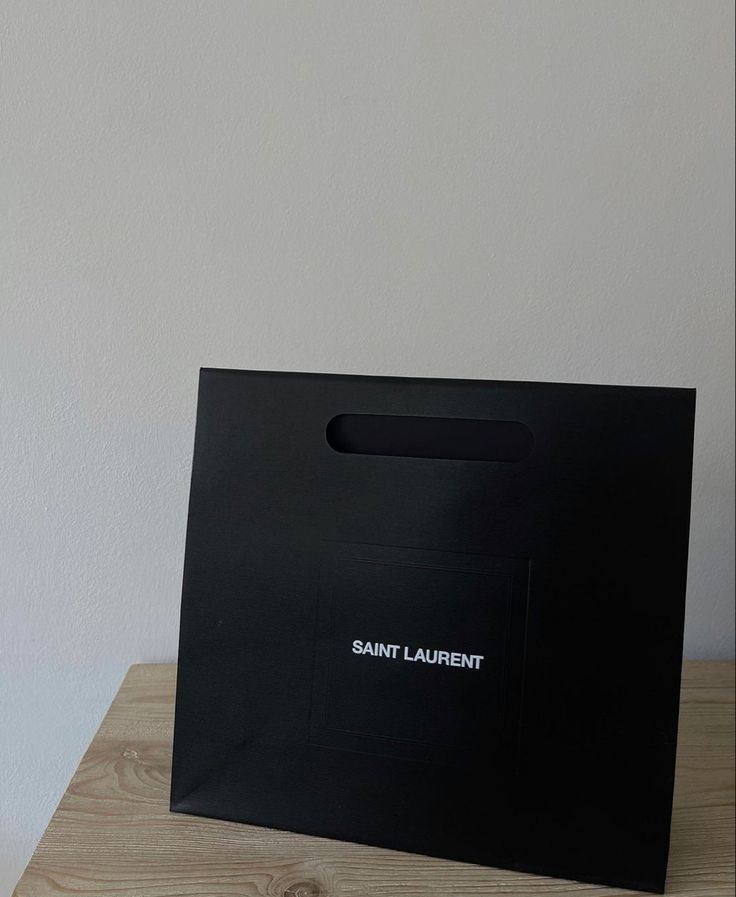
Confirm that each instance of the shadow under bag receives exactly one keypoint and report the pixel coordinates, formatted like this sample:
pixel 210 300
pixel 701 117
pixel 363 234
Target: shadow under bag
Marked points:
pixel 442 616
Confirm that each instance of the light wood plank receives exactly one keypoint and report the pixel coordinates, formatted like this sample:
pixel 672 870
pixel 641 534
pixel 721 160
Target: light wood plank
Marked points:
pixel 112 834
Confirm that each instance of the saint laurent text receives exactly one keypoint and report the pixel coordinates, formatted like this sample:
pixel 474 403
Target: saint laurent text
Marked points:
pixel 418 655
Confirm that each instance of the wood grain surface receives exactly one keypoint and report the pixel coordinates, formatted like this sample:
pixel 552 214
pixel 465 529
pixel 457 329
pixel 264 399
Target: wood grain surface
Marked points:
pixel 113 836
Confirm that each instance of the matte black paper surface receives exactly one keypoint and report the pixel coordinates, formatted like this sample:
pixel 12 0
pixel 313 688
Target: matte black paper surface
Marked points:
pixel 442 616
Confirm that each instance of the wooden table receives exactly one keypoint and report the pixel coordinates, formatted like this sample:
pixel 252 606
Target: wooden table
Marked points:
pixel 113 836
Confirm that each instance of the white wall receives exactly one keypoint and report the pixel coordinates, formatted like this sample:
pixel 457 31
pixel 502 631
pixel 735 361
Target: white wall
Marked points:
pixel 449 188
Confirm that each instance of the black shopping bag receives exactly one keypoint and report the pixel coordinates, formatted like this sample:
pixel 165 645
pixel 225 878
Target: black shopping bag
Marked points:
pixel 442 616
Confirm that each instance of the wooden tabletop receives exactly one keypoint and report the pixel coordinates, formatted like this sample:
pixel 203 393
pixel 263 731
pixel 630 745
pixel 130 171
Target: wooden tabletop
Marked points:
pixel 112 834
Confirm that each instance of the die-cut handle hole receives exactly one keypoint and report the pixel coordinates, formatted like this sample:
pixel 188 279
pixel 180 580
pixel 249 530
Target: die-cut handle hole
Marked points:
pixel 440 438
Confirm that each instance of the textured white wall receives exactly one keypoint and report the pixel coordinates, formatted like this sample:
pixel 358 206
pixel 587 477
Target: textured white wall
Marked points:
pixel 453 188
